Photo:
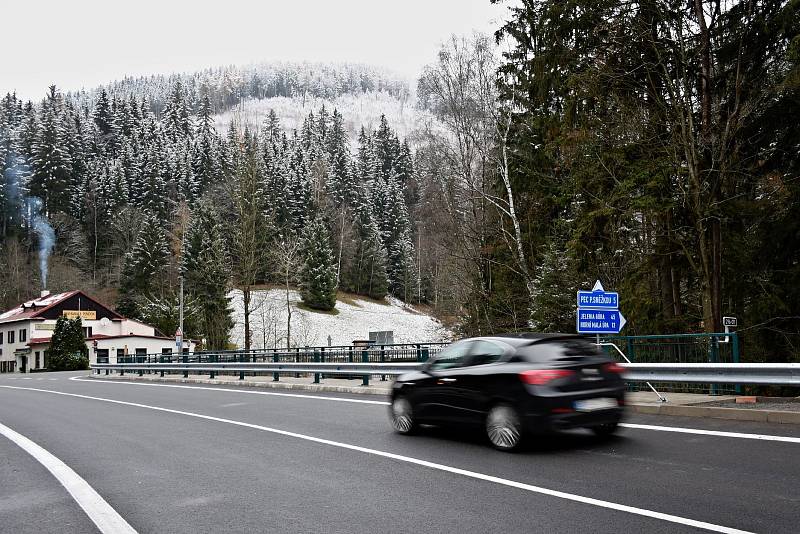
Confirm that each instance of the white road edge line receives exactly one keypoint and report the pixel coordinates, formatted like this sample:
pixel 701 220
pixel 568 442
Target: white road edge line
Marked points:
pixel 229 390
pixel 680 430
pixel 99 511
pixel 424 463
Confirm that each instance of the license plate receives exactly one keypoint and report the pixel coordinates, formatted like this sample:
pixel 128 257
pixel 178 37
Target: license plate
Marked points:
pixel 590 405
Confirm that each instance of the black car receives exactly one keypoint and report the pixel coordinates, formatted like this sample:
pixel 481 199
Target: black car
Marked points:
pixel 513 385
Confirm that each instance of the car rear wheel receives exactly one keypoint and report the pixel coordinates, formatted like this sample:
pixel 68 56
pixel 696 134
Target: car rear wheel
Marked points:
pixel 402 416
pixel 504 428
pixel 605 430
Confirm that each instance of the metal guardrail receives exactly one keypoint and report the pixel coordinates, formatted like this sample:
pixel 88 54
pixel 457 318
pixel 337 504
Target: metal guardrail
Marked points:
pixel 777 374
pixel 767 374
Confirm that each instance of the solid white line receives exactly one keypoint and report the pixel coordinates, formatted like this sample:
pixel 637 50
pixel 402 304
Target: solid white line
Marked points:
pixel 229 390
pixel 680 430
pixel 99 511
pixel 740 435
pixel 424 463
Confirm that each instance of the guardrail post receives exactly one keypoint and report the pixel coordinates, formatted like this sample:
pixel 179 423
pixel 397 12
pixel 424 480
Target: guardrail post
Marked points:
pixel 276 359
pixel 629 350
pixel 419 354
pixel 322 360
pixel 365 359
pixel 106 372
pixel 241 360
pixel 316 360
pixel 383 360
pixel 297 359
pixel 425 352
pixel 713 357
pixel 141 372
pixel 212 359
pixel 186 360
pixel 735 356
pixel 350 360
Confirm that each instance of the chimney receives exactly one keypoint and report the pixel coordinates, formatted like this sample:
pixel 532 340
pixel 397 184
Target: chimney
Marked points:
pixel 45 293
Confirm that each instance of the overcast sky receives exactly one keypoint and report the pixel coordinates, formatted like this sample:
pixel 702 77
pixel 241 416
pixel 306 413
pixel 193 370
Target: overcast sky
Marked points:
pixel 83 43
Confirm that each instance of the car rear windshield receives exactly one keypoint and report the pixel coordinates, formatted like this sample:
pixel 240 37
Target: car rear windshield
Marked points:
pixel 558 350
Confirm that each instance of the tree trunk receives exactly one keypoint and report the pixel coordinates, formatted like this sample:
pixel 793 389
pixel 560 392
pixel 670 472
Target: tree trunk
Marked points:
pixel 246 295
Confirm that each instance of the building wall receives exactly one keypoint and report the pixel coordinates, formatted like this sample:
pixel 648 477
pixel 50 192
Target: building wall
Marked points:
pixel 9 362
pixel 129 345
pixel 7 356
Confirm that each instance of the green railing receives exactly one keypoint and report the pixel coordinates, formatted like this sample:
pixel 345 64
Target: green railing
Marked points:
pixel 681 348
pixel 373 353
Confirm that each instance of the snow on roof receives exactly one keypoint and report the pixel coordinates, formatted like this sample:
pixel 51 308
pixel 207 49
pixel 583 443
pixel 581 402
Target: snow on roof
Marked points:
pixel 32 307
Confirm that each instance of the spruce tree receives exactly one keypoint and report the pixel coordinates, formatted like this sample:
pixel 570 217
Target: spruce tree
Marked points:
pixel 68 351
pixel 144 268
pixel 318 274
pixel 206 271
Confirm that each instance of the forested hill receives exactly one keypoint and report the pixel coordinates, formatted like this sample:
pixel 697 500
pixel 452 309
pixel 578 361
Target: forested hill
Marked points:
pixel 227 87
pixel 113 196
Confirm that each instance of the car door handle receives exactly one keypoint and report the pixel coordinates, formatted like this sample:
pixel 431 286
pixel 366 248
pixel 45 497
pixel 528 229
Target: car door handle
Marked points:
pixel 446 380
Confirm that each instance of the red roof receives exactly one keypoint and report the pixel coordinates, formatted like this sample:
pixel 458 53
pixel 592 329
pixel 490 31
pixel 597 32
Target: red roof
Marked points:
pixel 35 307
pixel 38 340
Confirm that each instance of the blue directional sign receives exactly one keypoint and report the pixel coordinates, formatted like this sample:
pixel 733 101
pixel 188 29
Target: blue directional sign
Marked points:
pixel 600 321
pixel 598 311
pixel 598 300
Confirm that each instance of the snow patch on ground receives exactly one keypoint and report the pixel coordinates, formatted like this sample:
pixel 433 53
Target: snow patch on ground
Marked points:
pixel 353 321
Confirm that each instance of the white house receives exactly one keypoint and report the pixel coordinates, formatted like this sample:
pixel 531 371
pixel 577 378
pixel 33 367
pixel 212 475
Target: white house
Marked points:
pixel 25 332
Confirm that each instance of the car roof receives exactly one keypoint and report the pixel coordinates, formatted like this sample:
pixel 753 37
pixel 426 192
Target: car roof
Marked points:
pixel 527 338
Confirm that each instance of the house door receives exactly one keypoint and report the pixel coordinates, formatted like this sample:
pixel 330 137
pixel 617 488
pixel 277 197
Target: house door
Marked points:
pixel 23 364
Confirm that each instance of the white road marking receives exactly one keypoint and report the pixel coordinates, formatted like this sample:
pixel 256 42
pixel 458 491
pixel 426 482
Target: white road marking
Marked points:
pixel 680 430
pixel 269 393
pixel 424 463
pixel 741 435
pixel 99 511
pixel 232 404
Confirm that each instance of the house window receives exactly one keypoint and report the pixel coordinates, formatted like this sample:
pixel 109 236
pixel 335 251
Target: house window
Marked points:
pixel 11 336
pixel 37 359
pixel 23 335
pixel 87 331
pixel 102 355
pixel 1 338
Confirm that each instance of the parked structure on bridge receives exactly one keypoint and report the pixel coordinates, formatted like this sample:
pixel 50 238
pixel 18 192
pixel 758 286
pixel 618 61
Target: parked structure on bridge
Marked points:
pixel 25 332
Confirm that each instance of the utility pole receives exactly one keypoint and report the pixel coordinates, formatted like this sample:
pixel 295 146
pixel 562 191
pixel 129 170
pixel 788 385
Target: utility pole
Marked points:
pixel 180 313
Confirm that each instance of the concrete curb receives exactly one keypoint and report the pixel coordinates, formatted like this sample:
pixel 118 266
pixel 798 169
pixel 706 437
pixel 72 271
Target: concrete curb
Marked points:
pixel 734 414
pixel 357 390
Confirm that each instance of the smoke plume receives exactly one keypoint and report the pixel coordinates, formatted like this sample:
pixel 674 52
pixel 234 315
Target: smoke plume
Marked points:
pixel 47 236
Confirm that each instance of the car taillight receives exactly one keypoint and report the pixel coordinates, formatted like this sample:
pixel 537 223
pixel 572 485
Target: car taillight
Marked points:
pixel 613 368
pixel 538 377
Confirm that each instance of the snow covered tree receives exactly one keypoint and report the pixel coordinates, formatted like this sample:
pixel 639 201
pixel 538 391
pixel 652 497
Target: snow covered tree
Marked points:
pixel 144 268
pixel 51 161
pixel 206 271
pixel 247 226
pixel 318 274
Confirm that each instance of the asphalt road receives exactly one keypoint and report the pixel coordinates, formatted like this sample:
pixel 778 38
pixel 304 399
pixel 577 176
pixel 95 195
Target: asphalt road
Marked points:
pixel 200 459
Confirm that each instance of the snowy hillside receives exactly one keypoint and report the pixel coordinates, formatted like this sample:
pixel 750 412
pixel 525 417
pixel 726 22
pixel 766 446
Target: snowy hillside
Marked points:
pixel 361 109
pixel 354 320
